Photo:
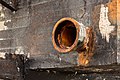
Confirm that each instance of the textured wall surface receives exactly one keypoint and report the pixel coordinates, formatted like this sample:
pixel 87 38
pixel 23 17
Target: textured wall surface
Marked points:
pixel 28 31
pixel 52 75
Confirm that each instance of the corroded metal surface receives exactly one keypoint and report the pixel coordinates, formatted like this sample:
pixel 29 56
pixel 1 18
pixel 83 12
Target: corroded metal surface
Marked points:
pixel 70 35
pixel 67 35
pixel 87 51
pixel 28 31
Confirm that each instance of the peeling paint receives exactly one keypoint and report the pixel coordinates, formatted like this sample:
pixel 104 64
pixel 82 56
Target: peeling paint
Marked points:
pixel 18 69
pixel 34 37
pixel 104 24
pixel 82 33
pixel 2 26
pixel 19 50
pixel 1 39
pixel 2 16
pixel 2 55
pixel 84 56
pixel 28 55
pixel 2 19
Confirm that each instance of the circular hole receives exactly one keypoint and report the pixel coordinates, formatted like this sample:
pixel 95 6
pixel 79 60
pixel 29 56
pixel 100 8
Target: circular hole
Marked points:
pixel 65 34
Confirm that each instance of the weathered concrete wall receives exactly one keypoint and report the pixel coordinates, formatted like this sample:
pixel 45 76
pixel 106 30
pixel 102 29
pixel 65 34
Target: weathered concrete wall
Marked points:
pixel 28 31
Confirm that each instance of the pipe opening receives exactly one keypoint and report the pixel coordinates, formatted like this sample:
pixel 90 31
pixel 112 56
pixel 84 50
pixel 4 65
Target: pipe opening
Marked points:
pixel 65 34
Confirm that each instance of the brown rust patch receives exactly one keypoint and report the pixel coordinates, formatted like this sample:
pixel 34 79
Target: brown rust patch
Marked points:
pixel 65 35
pixel 112 11
pixel 88 48
pixel 118 12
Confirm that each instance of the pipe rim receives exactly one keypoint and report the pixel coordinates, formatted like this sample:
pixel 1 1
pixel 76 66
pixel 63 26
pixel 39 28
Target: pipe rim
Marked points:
pixel 77 26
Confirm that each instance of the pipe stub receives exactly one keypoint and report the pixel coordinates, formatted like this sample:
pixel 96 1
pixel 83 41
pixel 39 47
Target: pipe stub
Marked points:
pixel 65 35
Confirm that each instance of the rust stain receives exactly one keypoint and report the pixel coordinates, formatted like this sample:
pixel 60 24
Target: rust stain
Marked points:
pixel 65 35
pixel 85 55
pixel 118 12
pixel 69 35
pixel 112 11
pixel 64 39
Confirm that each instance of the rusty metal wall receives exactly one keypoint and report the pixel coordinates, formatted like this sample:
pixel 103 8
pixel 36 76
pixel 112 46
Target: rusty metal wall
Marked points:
pixel 28 31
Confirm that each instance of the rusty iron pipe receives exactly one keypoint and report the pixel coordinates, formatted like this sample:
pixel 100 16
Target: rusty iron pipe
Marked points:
pixel 68 34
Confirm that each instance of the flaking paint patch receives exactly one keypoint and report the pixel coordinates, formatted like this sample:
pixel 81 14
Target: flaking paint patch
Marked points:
pixel 84 56
pixel 82 33
pixel 19 50
pixel 2 26
pixel 2 21
pixel 104 24
pixel 2 55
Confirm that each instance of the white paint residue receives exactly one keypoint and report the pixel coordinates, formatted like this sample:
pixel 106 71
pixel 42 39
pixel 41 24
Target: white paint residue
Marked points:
pixel 19 51
pixel 82 33
pixel 104 24
pixel 2 55
pixel 2 26
pixel 28 55
pixel 2 22
pixel 9 20
pixel 5 39
pixel 18 69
